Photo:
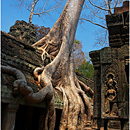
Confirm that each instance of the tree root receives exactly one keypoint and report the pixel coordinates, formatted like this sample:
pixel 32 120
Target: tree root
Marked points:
pixel 45 54
pixel 76 106
pixel 76 103
pixel 46 92
pixel 85 87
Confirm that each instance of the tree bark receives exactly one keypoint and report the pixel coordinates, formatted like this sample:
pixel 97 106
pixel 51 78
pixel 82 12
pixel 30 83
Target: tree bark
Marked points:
pixel 57 45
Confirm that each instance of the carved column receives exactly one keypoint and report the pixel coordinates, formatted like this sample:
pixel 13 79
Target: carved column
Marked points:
pixel 9 114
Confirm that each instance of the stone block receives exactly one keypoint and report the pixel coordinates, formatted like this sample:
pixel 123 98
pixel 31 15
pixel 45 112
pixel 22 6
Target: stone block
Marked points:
pixel 114 125
pixel 105 55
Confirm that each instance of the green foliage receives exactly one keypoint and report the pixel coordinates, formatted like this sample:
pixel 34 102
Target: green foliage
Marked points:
pixel 77 41
pixel 86 69
pixel 82 66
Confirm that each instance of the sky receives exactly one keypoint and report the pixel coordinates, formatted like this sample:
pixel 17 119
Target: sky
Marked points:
pixel 10 13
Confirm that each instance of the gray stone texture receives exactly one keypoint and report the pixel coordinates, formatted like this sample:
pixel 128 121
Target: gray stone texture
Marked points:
pixel 111 84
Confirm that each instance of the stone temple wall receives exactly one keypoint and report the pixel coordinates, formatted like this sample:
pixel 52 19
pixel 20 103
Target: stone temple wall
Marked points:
pixel 15 109
pixel 111 75
pixel 24 31
pixel 16 112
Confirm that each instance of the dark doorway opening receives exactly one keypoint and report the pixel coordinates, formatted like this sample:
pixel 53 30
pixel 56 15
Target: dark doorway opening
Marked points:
pixel 58 117
pixel 28 118
pixel 127 71
pixel 105 124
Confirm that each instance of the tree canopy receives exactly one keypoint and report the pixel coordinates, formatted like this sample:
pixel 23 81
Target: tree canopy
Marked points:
pixel 86 69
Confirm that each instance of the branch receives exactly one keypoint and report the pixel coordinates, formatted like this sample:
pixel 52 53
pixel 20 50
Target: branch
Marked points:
pixel 115 3
pixel 25 6
pixel 36 2
pixel 105 37
pixel 109 5
pixel 53 8
pixel 45 5
pixel 93 23
pixel 119 3
pixel 106 3
pixel 98 6
pixel 43 12
pixel 94 12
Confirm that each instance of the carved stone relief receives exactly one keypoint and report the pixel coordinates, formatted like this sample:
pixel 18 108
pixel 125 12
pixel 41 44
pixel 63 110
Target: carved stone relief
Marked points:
pixel 110 105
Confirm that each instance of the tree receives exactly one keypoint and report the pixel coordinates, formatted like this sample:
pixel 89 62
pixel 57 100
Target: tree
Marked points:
pixel 79 56
pixel 59 73
pixel 95 11
pixel 81 65
pixel 41 31
pixel 35 9
pixel 57 44
pixel 86 69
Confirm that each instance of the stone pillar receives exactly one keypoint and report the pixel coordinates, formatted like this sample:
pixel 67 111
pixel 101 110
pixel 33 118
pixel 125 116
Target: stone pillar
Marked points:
pixel 9 114
pixel 95 56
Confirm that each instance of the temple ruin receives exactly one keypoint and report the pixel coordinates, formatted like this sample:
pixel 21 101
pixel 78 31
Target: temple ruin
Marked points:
pixel 111 76
pixel 110 101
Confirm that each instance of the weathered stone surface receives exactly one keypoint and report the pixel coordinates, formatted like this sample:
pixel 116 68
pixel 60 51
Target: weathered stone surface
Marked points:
pixel 122 9
pixel 8 122
pixel 23 57
pixel 96 58
pixel 114 125
pixel 118 27
pixel 24 31
pixel 111 77
pixel 114 20
pixel 105 55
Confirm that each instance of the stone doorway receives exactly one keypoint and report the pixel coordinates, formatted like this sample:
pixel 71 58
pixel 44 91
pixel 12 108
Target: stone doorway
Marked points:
pixel 58 117
pixel 29 118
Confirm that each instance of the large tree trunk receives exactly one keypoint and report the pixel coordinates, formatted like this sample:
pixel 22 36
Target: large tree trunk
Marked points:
pixel 60 72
